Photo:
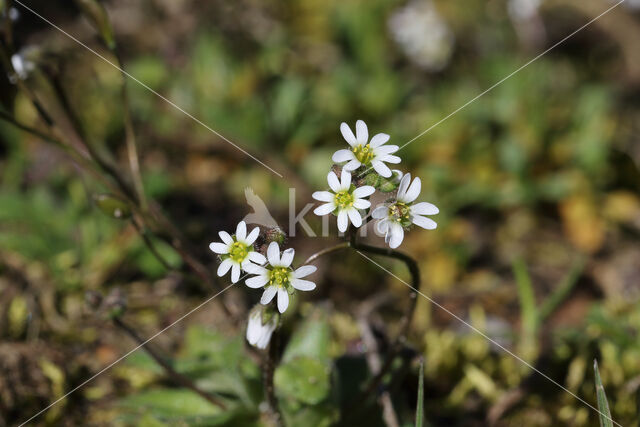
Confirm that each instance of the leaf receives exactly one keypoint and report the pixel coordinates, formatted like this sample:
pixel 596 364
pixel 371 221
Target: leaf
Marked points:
pixel 304 379
pixel 311 339
pixel 603 405
pixel 420 406
pixel 113 206
pixel 170 403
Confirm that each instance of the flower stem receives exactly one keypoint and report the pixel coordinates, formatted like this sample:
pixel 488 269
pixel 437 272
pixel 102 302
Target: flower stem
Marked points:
pixel 268 373
pixel 176 377
pixel 325 251
pixel 407 316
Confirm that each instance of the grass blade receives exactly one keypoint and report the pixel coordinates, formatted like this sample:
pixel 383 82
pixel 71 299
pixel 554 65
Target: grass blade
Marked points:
pixel 603 405
pixel 420 406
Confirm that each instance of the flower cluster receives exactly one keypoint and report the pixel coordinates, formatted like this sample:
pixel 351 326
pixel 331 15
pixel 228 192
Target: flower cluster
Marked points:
pixel 273 273
pixel 348 200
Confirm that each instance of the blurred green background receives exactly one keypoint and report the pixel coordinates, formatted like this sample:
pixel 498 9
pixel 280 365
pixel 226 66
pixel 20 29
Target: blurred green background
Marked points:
pixel 537 183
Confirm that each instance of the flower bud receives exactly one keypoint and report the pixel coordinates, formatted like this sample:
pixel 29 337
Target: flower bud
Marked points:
pixel 263 320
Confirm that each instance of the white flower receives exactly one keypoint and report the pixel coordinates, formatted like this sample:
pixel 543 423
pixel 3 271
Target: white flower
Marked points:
pixel 237 251
pixel 397 215
pixel 364 152
pixel 278 277
pixel 22 65
pixel 344 200
pixel 259 332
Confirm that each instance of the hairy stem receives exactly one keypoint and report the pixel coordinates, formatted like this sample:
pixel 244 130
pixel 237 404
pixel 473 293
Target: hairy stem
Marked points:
pixel 176 377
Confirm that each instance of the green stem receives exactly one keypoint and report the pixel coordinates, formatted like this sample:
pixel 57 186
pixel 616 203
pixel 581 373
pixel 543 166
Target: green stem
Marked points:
pixel 325 251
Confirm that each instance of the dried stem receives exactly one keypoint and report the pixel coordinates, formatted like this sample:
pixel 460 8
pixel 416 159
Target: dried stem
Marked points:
pixel 176 377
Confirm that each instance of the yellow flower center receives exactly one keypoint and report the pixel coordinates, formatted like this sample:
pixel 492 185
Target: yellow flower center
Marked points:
pixel 238 251
pixel 364 153
pixel 279 276
pixel 344 199
pixel 400 213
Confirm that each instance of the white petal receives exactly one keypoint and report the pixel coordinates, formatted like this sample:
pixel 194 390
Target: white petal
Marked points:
pixel 303 285
pixel 362 133
pixel 225 237
pixel 325 209
pixel 273 253
pixel 381 168
pixel 257 281
pixel 252 236
pixel 254 269
pixel 413 191
pixel 304 271
pixel 241 231
pixel 352 165
pixel 361 204
pixel 380 212
pixel 268 295
pixel 287 257
pixel 424 208
pixel 363 191
pixel 386 149
pixel 378 140
pixel 396 235
pixel 343 156
pixel 323 196
pixel 345 180
pixel 224 266
pixel 404 184
pixel 424 222
pixel 390 159
pixel 283 300
pixel 219 248
pixel 347 134
pixel 355 217
pixel 235 273
pixel 256 257
pixel 332 179
pixel 382 226
pixel 343 221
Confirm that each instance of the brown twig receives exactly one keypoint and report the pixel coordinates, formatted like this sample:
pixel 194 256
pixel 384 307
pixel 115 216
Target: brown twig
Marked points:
pixel 176 377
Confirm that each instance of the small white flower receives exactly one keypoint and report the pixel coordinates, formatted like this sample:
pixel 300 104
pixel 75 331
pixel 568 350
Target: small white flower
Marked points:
pixel 364 152
pixel 22 66
pixel 259 333
pixel 237 251
pixel 278 277
pixel 344 200
pixel 396 216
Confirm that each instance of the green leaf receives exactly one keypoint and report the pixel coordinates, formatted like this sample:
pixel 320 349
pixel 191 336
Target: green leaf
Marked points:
pixel 113 206
pixel 420 406
pixel 603 405
pixel 527 299
pixel 170 403
pixel 304 379
pixel 311 339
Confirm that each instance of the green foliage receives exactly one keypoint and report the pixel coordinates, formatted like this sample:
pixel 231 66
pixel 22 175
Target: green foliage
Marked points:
pixel 603 405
